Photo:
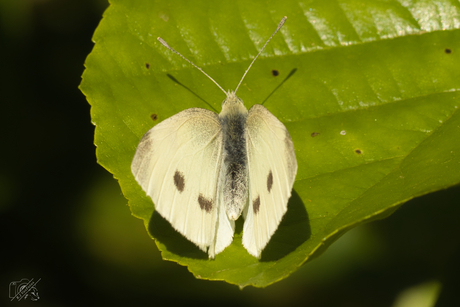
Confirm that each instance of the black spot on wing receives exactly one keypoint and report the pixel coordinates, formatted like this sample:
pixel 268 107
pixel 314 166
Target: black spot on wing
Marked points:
pixel 179 181
pixel 205 204
pixel 256 204
pixel 269 181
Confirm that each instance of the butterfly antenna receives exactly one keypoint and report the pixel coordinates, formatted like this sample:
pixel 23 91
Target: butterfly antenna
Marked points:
pixel 277 29
pixel 170 48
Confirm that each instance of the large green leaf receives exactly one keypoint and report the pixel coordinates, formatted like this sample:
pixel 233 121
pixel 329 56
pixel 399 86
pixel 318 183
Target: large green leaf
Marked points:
pixel 367 89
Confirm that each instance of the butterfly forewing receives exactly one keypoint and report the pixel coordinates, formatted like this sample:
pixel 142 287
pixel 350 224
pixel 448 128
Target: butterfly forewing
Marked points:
pixel 178 163
pixel 272 169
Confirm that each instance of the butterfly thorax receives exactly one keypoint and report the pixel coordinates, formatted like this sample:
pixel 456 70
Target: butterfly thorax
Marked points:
pixel 234 175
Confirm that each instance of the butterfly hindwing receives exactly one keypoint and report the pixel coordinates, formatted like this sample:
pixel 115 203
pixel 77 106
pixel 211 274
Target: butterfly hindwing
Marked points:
pixel 178 164
pixel 272 169
pixel 225 228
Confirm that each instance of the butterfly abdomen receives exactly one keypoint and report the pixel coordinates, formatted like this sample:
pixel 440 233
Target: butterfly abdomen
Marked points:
pixel 235 162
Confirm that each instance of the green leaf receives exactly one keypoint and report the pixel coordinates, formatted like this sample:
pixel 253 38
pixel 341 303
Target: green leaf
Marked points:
pixel 369 91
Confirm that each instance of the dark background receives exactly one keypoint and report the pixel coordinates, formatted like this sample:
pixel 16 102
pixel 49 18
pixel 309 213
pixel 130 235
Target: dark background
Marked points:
pixel 63 218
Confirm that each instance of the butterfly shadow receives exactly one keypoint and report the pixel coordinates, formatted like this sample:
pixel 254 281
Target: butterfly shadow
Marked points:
pixel 175 243
pixel 293 71
pixel 292 232
pixel 193 93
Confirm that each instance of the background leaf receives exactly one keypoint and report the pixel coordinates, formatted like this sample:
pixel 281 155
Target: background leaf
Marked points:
pixel 368 91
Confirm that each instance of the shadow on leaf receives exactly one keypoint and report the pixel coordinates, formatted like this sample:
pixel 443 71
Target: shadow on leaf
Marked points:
pixel 292 232
pixel 188 89
pixel 279 85
pixel 175 243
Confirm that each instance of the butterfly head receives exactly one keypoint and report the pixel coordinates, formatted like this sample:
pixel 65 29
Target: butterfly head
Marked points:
pixel 232 105
pixel 231 98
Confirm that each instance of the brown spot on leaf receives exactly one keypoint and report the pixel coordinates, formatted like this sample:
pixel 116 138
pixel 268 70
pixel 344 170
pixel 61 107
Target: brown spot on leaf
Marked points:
pixel 179 181
pixel 154 116
pixel 358 151
pixel 147 65
pixel 256 205
pixel 275 73
pixel 448 51
pixel 205 204
pixel 314 134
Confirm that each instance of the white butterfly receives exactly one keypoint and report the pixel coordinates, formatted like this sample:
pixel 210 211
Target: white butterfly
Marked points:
pixel 202 170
